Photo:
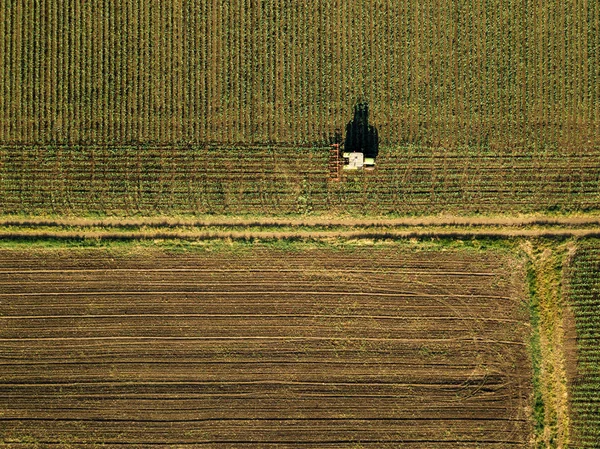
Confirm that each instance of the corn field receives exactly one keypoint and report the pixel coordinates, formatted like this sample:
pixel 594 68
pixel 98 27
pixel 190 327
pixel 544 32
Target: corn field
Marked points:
pixel 584 297
pixel 499 74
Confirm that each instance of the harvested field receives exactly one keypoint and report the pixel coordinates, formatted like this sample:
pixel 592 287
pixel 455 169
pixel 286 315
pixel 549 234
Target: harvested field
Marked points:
pixel 254 346
pixel 277 180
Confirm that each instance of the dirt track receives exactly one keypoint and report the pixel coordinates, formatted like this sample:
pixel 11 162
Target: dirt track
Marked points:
pixel 590 221
pixel 299 228
pixel 315 348
pixel 457 233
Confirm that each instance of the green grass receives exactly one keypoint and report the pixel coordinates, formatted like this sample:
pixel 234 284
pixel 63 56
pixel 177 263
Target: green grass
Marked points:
pixel 538 406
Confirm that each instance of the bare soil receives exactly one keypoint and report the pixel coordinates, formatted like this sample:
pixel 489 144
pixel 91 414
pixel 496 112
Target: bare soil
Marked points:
pixel 364 347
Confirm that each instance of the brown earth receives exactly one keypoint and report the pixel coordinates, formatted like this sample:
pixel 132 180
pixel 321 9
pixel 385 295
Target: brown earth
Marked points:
pixel 361 347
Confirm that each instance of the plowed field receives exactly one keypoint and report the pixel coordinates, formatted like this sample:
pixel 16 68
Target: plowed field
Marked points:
pixel 358 347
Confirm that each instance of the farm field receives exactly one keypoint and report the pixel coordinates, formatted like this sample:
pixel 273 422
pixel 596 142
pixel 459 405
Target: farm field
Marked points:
pixel 263 180
pixel 439 74
pixel 254 346
pixel 183 265
pixel 583 294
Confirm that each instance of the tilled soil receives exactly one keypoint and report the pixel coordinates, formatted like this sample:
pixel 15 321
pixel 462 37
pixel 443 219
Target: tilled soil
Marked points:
pixel 368 347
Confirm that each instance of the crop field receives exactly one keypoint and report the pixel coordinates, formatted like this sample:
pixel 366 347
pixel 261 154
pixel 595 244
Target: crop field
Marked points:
pixel 504 73
pixel 584 299
pixel 184 263
pixel 284 180
pixel 321 346
pixel 195 107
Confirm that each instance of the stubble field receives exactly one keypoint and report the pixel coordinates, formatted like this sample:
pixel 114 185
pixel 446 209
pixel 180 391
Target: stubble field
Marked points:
pixel 266 180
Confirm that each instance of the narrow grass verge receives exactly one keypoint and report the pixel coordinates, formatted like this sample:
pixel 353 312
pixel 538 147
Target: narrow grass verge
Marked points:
pixel 550 401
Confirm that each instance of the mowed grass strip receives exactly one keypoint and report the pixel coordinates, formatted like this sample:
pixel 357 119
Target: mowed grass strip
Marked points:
pixel 306 348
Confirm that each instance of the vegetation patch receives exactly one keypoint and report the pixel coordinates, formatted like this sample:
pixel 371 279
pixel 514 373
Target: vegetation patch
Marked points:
pixel 583 294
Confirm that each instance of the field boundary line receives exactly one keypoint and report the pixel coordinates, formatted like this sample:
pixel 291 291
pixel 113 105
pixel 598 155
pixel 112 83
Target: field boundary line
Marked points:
pixel 428 232
pixel 277 222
